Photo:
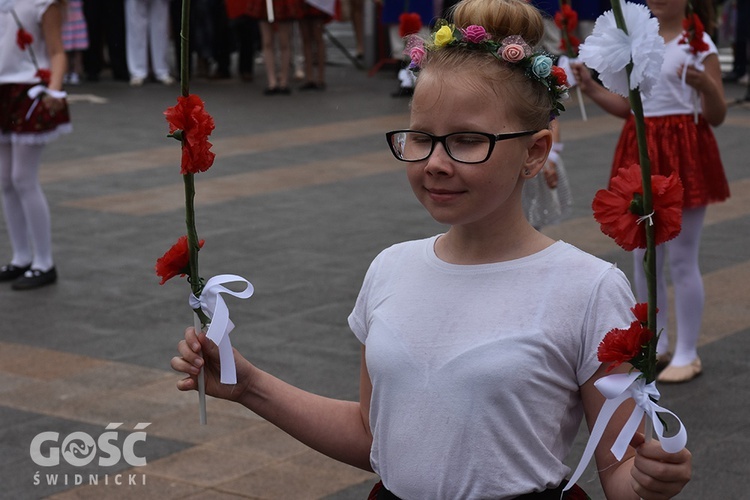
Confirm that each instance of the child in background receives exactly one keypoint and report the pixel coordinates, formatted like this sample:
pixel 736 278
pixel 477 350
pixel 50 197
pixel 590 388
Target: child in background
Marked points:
pixel 75 41
pixel 678 141
pixel 479 345
pixel 26 124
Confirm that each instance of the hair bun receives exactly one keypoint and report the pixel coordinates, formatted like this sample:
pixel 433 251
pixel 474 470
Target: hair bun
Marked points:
pixel 501 18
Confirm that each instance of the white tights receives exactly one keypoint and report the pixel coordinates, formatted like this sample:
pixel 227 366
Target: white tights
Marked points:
pixel 682 253
pixel 25 206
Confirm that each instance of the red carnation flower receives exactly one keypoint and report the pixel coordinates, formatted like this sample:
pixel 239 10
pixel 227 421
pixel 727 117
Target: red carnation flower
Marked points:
pixel 640 311
pixel 574 43
pixel 618 211
pixel 693 33
pixel 24 38
pixel 559 76
pixel 624 346
pixel 409 23
pixel 44 75
pixel 566 18
pixel 190 117
pixel 175 261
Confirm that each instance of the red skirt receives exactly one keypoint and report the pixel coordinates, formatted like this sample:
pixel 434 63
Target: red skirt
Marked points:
pixel 283 10
pixel 677 144
pixel 21 114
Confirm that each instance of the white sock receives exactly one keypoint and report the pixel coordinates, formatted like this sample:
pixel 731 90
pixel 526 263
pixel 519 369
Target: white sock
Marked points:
pixel 25 206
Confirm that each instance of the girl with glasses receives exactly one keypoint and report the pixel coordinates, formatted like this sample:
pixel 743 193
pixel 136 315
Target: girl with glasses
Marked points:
pixel 479 345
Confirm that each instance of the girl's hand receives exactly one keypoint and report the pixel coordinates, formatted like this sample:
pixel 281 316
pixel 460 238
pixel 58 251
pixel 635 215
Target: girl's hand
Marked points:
pixel 656 474
pixel 582 76
pixel 53 104
pixel 697 79
pixel 197 351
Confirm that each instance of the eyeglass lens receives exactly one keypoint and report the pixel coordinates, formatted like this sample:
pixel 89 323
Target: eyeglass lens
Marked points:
pixel 465 146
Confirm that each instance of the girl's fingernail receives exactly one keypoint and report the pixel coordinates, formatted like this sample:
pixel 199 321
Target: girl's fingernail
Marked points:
pixel 198 362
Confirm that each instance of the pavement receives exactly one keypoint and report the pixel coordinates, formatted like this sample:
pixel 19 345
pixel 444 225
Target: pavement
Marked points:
pixel 303 194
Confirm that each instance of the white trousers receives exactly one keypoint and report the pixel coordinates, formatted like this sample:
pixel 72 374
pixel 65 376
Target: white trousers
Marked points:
pixel 147 33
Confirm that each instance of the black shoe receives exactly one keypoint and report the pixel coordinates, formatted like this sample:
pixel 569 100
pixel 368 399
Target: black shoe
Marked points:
pixel 271 91
pixel 283 91
pixel 309 86
pixel 34 278
pixel 9 272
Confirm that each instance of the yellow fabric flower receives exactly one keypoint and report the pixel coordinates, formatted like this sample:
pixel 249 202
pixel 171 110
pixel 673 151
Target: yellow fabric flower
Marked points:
pixel 443 36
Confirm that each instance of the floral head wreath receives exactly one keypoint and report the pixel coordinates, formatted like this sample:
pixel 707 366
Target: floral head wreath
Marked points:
pixel 538 66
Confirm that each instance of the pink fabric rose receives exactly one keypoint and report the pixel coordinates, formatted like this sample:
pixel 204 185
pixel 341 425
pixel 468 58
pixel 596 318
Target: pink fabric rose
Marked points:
pixel 512 52
pixel 416 54
pixel 475 34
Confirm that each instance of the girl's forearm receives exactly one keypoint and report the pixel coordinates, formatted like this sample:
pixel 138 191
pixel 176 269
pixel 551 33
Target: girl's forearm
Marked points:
pixel 333 427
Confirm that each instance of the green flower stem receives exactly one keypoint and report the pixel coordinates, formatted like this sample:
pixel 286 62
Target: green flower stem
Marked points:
pixel 649 262
pixel 196 283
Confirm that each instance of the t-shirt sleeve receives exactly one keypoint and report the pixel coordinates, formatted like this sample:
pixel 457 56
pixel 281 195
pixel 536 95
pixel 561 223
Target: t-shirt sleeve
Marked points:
pixel 41 8
pixel 358 318
pixel 609 308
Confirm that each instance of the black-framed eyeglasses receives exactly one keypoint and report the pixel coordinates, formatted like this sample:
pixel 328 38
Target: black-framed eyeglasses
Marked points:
pixel 464 147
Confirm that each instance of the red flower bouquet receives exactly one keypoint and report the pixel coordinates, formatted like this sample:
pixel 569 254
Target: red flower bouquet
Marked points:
pixel 693 33
pixel 619 209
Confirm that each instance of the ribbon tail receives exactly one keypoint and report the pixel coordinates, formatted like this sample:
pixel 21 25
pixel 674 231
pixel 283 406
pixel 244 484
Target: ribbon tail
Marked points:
pixel 605 414
pixel 672 444
pixel 626 434
pixel 226 357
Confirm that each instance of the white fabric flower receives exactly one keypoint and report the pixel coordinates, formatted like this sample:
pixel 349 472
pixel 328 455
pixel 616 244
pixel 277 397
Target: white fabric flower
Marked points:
pixel 6 5
pixel 608 50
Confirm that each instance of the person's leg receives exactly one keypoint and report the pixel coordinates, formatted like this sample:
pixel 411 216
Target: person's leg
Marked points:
pixel 222 45
pixel 136 35
pixel 741 38
pixel 244 28
pixel 320 52
pixel 662 299
pixel 269 56
pixel 115 34
pixel 688 285
pixel 306 33
pixel 158 37
pixel 26 159
pixel 15 220
pixel 284 37
pixel 358 16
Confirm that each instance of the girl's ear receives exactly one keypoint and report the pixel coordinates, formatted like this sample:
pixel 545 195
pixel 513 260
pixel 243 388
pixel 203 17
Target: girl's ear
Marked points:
pixel 537 150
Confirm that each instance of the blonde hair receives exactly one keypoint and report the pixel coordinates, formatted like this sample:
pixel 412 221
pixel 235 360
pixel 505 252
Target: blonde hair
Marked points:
pixel 529 99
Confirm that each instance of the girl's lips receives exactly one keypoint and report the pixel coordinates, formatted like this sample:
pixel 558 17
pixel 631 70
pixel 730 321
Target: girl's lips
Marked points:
pixel 443 195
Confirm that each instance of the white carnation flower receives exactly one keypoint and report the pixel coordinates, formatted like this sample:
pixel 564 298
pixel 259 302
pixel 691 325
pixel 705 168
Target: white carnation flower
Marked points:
pixel 6 5
pixel 608 50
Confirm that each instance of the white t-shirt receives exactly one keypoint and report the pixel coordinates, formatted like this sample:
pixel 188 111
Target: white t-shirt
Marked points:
pixel 16 65
pixel 670 96
pixel 476 369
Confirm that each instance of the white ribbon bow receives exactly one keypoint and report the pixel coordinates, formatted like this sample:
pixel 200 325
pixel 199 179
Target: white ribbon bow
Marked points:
pixel 36 91
pixel 617 389
pixel 212 304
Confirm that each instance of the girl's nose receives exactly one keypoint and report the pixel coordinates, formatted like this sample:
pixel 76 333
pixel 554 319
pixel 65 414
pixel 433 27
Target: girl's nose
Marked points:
pixel 439 161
